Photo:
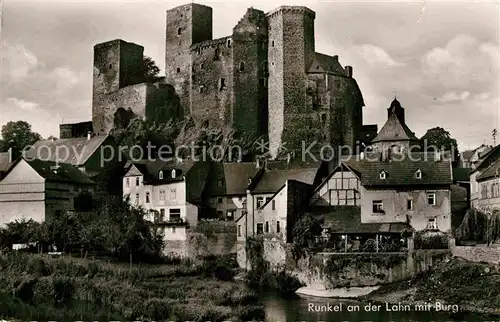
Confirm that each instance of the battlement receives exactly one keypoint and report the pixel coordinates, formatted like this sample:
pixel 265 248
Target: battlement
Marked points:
pixel 292 10
pixel 189 5
pixel 115 42
pixel 214 43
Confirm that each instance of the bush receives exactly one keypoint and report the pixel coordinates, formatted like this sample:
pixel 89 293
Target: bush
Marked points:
pixel 426 239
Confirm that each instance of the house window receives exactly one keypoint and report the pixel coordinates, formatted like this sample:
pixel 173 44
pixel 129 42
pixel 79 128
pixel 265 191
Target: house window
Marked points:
pixel 160 175
pixel 127 182
pixel 382 175
pixel 239 231
pixel 137 198
pixel 219 199
pixel 242 66
pixel 222 84
pixel 418 174
pixel 378 207
pixel 137 181
pixel 260 202
pixel 162 195
pixel 431 198
pixel 162 214
pixel 219 183
pixel 147 197
pixel 274 204
pixel 260 228
pixel 175 214
pixel 409 204
pixel 431 223
pixel 267 226
pixel 173 194
pixel 173 173
pixel 230 214
pixel 278 228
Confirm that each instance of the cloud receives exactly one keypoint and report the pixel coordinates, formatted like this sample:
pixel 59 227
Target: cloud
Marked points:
pixel 454 96
pixel 376 56
pixel 16 103
pixel 64 78
pixel 17 62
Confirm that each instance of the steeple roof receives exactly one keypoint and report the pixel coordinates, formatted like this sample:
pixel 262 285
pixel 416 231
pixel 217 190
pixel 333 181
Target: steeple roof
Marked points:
pixel 395 128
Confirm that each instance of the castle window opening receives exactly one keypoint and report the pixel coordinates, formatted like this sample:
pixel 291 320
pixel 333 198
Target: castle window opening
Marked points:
pixel 217 54
pixel 222 84
pixel 242 66
pixel 201 89
pixel 323 117
pixel 179 31
pixel 110 66
pixel 229 42
pixel 202 66
pixel 272 43
pixel 178 70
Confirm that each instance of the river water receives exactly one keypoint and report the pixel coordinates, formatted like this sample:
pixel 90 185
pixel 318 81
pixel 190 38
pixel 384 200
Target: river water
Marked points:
pixel 301 308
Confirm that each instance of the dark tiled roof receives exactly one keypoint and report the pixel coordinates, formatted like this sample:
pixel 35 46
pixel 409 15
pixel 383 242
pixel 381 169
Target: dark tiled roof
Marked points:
pixel 347 220
pixel 272 180
pixel 151 170
pixel 4 161
pixel 328 64
pixel 485 156
pixel 461 174
pixel 233 176
pixel 50 171
pixel 394 130
pixel 78 150
pixel 401 171
pixel 490 172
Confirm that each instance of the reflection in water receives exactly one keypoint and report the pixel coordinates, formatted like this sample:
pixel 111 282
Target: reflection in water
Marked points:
pixel 298 309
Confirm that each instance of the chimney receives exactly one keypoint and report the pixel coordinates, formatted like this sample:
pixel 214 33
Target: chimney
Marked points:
pixel 10 155
pixel 89 135
pixel 361 155
pixel 348 70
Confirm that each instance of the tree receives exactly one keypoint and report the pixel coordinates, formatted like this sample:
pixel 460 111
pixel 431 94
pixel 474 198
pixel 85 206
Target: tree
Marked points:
pixel 18 135
pixel 473 227
pixel 150 70
pixel 439 138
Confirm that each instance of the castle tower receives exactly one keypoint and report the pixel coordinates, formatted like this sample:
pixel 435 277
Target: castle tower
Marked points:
pixel 397 109
pixel 291 52
pixel 250 72
pixel 186 25
pixel 117 64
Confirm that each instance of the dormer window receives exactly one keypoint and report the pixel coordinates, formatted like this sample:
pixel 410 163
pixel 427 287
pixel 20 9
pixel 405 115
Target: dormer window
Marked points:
pixel 418 174
pixel 173 173
pixel 160 175
pixel 382 175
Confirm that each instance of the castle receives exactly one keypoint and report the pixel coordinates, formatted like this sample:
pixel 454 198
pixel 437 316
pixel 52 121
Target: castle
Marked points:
pixel 261 80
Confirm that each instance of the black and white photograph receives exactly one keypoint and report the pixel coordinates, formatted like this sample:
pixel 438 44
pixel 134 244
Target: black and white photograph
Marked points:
pixel 250 160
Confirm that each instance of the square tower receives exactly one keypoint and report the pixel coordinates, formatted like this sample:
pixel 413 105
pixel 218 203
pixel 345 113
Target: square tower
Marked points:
pixel 186 25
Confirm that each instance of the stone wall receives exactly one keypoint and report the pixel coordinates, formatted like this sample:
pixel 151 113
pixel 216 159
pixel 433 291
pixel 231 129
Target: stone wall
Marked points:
pixel 478 254
pixel 327 271
pixel 211 238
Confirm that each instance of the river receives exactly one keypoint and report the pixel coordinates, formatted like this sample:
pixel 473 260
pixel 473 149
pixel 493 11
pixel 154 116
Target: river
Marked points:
pixel 299 308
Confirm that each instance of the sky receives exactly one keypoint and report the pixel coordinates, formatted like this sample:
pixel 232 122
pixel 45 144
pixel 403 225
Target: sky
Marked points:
pixel 441 60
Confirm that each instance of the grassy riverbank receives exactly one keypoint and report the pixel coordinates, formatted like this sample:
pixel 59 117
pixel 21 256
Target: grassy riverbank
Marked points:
pixel 38 287
pixel 474 287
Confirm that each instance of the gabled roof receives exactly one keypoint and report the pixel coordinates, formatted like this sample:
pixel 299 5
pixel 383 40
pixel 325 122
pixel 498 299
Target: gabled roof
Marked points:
pixel 394 128
pixel 482 162
pixel 347 220
pixel 233 176
pixel 490 172
pixel 401 170
pixel 325 63
pixel 79 149
pixel 151 170
pixel 51 171
pixel 272 180
pixel 4 161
